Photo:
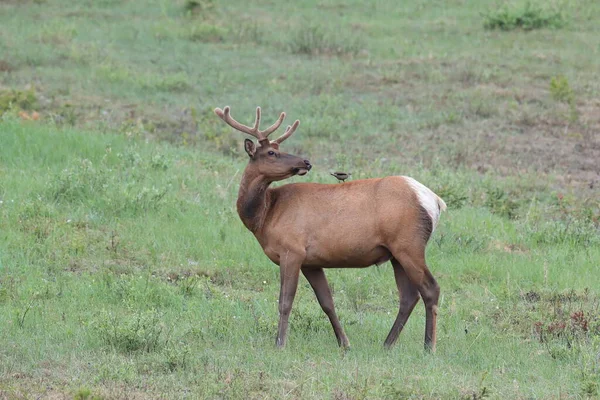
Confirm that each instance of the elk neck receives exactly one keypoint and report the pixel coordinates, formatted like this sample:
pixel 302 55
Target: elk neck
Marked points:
pixel 253 201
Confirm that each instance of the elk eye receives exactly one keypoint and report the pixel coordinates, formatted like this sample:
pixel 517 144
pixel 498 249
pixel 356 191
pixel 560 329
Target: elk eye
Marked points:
pixel 271 153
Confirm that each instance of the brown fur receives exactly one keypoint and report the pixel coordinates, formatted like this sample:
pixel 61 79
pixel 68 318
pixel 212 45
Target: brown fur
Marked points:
pixel 308 227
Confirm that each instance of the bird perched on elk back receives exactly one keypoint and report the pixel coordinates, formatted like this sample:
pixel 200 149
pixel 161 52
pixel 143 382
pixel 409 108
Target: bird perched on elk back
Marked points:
pixel 303 227
pixel 341 176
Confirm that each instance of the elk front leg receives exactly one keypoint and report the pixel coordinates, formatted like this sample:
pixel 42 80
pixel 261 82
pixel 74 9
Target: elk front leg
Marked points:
pixel 289 273
pixel 318 281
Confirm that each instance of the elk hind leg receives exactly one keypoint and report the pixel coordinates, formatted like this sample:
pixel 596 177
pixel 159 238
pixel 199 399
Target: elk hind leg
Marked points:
pixel 318 281
pixel 409 297
pixel 417 271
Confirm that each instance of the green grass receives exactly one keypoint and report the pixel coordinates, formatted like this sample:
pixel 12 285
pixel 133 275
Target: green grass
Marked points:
pixel 125 270
pixel 126 273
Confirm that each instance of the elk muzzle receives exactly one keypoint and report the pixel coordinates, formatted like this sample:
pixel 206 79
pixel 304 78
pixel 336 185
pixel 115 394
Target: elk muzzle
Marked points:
pixel 303 170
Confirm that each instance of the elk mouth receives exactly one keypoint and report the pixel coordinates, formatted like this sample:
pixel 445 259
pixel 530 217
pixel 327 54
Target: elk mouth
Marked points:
pixel 300 171
pixel 303 170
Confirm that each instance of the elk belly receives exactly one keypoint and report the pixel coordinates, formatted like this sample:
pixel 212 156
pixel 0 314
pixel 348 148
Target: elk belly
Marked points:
pixel 355 257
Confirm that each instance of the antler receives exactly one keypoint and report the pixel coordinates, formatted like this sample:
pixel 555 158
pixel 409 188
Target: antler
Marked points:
pixel 224 114
pixel 288 132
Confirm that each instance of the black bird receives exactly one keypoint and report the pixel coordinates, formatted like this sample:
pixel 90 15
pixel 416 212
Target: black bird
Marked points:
pixel 341 176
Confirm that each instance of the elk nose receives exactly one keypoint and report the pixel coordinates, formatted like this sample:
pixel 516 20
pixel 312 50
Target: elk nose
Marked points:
pixel 308 166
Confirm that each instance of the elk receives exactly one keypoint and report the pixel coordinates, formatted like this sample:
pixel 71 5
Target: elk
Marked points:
pixel 307 227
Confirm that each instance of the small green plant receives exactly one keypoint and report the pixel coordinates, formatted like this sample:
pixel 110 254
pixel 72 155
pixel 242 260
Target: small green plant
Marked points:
pixel 176 356
pixel 79 181
pixel 199 7
pixel 188 284
pixel 501 203
pixel 561 91
pixel 17 100
pixel 453 196
pixel 527 17
pixel 142 331
pixel 85 394
pixel 65 115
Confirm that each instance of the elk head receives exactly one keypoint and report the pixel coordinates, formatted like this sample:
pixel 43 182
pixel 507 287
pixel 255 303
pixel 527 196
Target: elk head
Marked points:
pixel 266 158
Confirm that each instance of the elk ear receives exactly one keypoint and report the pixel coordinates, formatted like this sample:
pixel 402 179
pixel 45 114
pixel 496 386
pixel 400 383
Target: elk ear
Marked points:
pixel 275 145
pixel 250 147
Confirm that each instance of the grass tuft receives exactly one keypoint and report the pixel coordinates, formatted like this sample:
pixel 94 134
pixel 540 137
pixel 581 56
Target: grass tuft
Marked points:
pixel 527 17
pixel 312 39
pixel 199 7
pixel 132 332
pixel 206 33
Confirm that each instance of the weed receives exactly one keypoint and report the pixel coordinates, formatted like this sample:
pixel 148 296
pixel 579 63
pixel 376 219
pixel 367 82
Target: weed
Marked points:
pixel 17 100
pixel 482 108
pixel 65 115
pixel 201 8
pixel 527 17
pixel 78 182
pixel 308 320
pixel 35 218
pixel 453 196
pixel 313 39
pixel 85 394
pixel 188 284
pixel 159 161
pixel 590 386
pixel 137 331
pixel 176 356
pixel 561 91
pixel 501 203
pixel 143 199
pixel 264 325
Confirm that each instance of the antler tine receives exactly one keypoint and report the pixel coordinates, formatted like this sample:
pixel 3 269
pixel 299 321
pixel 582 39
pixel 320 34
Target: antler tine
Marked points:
pixel 257 121
pixel 288 132
pixel 273 127
pixel 224 114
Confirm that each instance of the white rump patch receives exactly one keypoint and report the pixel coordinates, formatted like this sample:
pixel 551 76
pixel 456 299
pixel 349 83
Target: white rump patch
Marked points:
pixel 430 201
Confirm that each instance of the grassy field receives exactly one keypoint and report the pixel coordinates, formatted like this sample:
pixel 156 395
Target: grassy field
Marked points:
pixel 126 273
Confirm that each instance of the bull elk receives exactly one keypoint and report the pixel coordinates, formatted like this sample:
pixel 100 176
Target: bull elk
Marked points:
pixel 308 227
